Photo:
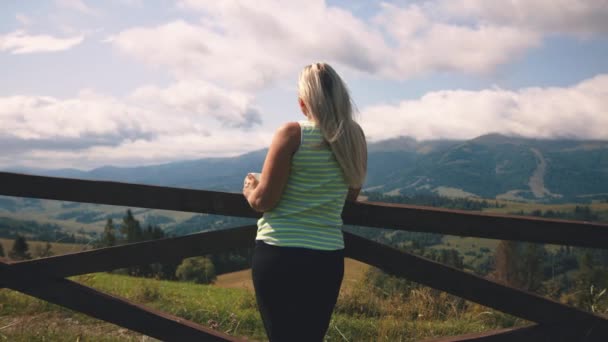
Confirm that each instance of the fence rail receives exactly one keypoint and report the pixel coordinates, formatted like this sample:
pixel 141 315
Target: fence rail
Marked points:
pixel 45 278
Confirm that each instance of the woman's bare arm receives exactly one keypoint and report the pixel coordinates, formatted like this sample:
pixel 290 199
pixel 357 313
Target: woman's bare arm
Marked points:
pixel 275 173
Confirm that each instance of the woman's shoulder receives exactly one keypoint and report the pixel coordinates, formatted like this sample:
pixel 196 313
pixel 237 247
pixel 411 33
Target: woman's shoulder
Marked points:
pixel 290 128
pixel 288 135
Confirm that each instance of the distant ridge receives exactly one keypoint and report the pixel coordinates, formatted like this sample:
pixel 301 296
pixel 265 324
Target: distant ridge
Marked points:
pixel 489 166
pixel 497 139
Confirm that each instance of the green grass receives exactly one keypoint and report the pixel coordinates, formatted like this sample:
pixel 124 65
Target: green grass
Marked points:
pixel 233 310
pixel 359 316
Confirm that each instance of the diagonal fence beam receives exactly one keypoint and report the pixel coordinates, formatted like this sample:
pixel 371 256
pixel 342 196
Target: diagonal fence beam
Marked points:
pixel 43 278
pixel 382 215
pixel 116 310
pixel 26 273
pixel 474 288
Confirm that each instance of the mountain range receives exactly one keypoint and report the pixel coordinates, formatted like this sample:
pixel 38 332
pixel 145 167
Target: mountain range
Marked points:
pixel 490 166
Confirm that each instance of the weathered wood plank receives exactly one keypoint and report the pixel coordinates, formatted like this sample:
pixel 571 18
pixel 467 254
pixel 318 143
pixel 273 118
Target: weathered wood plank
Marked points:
pixel 474 288
pixel 28 273
pixel 384 215
pixel 484 225
pixel 119 311
pixel 125 194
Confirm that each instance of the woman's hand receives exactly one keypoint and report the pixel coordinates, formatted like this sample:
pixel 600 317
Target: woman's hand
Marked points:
pixel 249 184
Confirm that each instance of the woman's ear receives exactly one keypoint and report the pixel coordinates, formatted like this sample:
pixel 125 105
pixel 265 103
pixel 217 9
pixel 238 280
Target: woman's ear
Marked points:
pixel 303 106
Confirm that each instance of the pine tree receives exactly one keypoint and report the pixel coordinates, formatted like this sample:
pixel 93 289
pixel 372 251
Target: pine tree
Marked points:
pixel 20 249
pixel 130 228
pixel 530 273
pixel 108 239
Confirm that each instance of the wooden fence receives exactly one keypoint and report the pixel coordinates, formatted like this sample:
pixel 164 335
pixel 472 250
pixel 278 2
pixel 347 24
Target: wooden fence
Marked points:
pixel 45 278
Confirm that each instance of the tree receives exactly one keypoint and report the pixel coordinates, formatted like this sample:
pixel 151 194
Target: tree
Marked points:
pixel 197 269
pixel 530 272
pixel 153 233
pixel 20 249
pixel 132 231
pixel 43 252
pixel 452 258
pixel 108 239
pixel 130 228
pixel 1 250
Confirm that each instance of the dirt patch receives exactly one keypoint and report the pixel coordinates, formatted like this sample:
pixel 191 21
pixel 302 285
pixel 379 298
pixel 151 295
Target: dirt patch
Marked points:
pixel 537 180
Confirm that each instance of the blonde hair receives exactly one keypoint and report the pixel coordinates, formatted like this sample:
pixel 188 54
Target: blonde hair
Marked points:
pixel 329 105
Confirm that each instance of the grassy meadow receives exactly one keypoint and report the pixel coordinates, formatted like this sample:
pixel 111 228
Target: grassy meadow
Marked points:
pixel 361 313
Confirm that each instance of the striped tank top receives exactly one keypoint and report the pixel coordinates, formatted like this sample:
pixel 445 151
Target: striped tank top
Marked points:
pixel 309 212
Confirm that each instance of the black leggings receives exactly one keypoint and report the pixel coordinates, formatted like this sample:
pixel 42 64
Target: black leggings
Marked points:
pixel 296 290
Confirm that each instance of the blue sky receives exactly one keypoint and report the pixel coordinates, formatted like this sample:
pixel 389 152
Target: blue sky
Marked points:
pixel 127 82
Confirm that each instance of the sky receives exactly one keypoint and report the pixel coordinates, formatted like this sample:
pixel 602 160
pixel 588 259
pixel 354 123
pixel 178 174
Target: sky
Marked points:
pixel 86 83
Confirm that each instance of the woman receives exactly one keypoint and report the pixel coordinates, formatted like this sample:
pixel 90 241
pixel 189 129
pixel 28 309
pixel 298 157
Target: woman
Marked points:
pixel 311 168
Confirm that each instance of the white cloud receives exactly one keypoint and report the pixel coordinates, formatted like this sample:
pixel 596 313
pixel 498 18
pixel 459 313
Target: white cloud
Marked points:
pixel 90 114
pixel 138 152
pixel 179 109
pixel 579 17
pixel 76 5
pixel 198 98
pixel 573 112
pixel 184 120
pixel 251 45
pixel 19 42
pixel 425 44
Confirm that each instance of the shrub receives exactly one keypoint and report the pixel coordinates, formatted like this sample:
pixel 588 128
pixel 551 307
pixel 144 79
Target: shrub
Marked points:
pixel 197 269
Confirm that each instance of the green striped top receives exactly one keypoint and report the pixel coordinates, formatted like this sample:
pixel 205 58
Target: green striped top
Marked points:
pixel 309 212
